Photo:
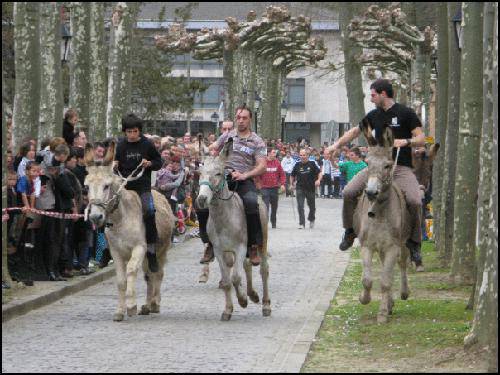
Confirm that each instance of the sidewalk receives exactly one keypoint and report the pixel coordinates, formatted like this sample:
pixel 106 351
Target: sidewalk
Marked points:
pixel 42 293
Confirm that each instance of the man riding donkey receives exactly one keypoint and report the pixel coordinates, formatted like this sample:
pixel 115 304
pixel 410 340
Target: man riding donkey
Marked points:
pixel 134 150
pixel 407 131
pixel 247 160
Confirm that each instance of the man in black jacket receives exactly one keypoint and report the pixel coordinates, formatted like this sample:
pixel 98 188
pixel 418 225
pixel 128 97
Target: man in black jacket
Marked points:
pixel 70 120
pixel 132 151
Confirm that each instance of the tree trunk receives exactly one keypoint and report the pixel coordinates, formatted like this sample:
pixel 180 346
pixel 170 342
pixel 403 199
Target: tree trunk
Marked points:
pixel 79 91
pixel 471 107
pixel 5 270
pixel 442 116
pixel 272 96
pixel 450 157
pixel 51 98
pixel 27 65
pixel 352 69
pixel 119 66
pixel 98 78
pixel 482 304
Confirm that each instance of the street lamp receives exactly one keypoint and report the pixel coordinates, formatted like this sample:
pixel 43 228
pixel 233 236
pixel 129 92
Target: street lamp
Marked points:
pixel 66 36
pixel 457 22
pixel 284 110
pixel 215 120
pixel 258 100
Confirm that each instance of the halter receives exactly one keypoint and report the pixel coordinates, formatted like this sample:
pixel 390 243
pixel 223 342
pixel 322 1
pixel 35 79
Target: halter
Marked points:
pixel 218 190
pixel 116 196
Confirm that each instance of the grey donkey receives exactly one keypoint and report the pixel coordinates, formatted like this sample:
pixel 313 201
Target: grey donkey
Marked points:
pixel 227 231
pixel 382 223
pixel 120 210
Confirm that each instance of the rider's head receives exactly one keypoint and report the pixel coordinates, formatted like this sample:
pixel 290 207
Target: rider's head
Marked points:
pixel 132 126
pixel 380 91
pixel 243 118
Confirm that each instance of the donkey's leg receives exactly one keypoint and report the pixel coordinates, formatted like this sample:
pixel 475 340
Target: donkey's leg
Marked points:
pixel 225 272
pixel 133 264
pixel 252 294
pixel 236 277
pixel 146 308
pixel 205 272
pixel 403 265
pixel 121 283
pixel 155 303
pixel 386 284
pixel 266 300
pixel 366 257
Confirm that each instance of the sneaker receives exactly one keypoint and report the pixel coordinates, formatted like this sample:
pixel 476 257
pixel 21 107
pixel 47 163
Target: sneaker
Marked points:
pixel 311 224
pixel 176 240
pixel 302 226
pixel 208 256
pixel 347 240
pixel 152 262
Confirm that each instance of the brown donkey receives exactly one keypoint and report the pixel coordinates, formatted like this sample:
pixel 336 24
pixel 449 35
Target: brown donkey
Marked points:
pixel 381 221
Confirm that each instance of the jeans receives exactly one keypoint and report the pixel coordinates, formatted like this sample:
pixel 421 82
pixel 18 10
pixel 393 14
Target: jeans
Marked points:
pixel 310 196
pixel 270 196
pixel 326 181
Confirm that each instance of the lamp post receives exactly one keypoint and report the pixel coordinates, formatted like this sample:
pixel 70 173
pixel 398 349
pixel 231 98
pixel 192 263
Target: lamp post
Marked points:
pixel 284 110
pixel 66 37
pixel 215 120
pixel 457 22
pixel 258 100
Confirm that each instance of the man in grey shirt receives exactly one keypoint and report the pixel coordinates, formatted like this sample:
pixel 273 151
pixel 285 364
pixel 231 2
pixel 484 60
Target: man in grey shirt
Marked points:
pixel 247 160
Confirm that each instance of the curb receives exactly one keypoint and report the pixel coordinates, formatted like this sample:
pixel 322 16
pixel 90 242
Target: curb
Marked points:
pixel 14 309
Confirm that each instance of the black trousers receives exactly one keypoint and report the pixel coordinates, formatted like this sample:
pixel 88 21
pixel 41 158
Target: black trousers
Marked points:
pixel 270 197
pixel 310 196
pixel 326 181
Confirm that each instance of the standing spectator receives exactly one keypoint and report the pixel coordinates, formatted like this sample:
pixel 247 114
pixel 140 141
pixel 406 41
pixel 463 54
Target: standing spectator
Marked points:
pixel 27 152
pixel 69 123
pixel 287 164
pixel 326 181
pixel 80 139
pixel 307 177
pixel 352 167
pixel 336 175
pixel 272 181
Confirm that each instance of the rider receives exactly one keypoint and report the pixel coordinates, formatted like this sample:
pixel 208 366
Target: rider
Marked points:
pixel 407 130
pixel 132 151
pixel 247 160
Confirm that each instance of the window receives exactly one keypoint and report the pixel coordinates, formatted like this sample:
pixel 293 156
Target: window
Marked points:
pixel 181 62
pixel 295 93
pixel 212 96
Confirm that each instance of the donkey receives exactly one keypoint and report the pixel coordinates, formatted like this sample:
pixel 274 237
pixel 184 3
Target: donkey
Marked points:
pixel 381 220
pixel 120 210
pixel 227 230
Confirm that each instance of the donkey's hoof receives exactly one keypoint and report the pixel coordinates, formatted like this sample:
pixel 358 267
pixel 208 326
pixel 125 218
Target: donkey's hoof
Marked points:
pixel 155 308
pixel 203 278
pixel 144 310
pixel 364 300
pixel 118 317
pixel 254 297
pixel 131 311
pixel 266 311
pixel 243 302
pixel 382 319
pixel 405 295
pixel 225 317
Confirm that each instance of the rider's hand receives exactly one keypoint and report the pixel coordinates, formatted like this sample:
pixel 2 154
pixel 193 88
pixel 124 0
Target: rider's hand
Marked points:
pixel 239 176
pixel 115 164
pixel 145 163
pixel 400 143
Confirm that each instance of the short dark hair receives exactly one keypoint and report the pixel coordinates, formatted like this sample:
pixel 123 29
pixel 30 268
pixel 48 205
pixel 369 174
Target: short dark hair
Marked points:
pixel 25 148
pixel 99 144
pixel 383 85
pixel 244 107
pixel 131 121
pixel 70 113
pixel 78 152
pixel 356 150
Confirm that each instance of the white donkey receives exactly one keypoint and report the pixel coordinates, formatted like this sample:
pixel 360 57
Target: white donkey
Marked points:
pixel 227 230
pixel 120 210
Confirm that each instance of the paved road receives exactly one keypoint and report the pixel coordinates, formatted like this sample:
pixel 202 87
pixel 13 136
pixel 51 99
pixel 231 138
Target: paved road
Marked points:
pixel 77 334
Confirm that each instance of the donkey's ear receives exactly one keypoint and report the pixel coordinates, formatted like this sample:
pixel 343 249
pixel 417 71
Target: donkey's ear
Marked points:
pixel 89 155
pixel 110 154
pixel 368 132
pixel 433 151
pixel 388 137
pixel 227 150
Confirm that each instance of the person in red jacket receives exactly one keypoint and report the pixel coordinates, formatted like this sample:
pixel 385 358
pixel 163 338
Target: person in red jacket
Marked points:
pixel 270 182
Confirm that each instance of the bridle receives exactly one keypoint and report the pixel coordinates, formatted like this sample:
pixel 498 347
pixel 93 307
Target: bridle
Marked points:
pixel 111 204
pixel 217 190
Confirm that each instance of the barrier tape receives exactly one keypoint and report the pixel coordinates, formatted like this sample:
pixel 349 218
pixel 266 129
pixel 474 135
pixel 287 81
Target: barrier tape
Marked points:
pixel 57 215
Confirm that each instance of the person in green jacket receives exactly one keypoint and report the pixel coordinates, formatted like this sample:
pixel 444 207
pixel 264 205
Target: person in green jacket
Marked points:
pixel 352 167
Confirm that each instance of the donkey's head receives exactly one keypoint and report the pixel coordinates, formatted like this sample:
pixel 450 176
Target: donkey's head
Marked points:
pixel 212 176
pixel 380 163
pixel 101 183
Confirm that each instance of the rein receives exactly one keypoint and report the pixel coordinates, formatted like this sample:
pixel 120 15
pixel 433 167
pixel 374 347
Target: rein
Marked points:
pixel 116 195
pixel 395 163
pixel 218 190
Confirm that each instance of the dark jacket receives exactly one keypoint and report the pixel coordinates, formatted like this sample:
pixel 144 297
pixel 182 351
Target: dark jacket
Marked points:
pixel 129 156
pixel 68 133
pixel 64 192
